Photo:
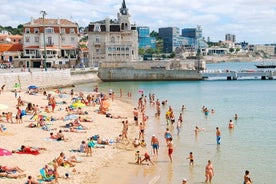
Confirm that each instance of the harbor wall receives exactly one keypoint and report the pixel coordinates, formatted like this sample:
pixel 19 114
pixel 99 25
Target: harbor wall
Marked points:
pixel 47 79
pixel 127 74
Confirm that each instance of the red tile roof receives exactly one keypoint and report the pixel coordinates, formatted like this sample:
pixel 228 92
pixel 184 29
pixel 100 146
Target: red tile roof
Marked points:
pixel 46 21
pixel 11 47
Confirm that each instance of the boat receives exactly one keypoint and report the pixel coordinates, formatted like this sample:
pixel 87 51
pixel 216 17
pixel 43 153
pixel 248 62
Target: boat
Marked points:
pixel 265 66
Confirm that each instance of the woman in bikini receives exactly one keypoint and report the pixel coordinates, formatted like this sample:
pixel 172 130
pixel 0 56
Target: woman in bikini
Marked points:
pixel 209 172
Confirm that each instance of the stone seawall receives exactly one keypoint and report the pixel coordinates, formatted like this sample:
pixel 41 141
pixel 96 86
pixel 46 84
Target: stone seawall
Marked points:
pixel 47 79
pixel 128 74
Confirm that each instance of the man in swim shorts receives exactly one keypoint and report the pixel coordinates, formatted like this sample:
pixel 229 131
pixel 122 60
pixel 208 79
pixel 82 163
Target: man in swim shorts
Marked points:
pixel 154 144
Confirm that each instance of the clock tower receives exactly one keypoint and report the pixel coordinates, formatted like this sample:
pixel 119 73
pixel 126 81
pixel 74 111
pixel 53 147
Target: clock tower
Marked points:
pixel 123 18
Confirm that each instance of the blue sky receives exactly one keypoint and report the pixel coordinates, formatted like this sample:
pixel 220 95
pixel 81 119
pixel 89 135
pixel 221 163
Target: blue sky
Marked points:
pixel 253 21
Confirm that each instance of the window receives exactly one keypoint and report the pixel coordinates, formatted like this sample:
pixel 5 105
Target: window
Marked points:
pixel 49 30
pixel 36 39
pixel 72 30
pixel 97 28
pixel 27 30
pixel 63 30
pixel 62 39
pixel 36 30
pixel 97 51
pixel 112 39
pixel 97 40
pixel 72 40
pixel 27 39
pixel 50 41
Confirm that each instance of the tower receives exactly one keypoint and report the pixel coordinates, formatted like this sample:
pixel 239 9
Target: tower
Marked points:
pixel 123 18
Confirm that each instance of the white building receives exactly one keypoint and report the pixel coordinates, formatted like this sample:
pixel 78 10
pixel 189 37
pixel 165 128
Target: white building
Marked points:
pixel 61 42
pixel 113 40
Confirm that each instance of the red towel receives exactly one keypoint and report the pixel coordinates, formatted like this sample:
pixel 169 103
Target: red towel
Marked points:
pixel 29 151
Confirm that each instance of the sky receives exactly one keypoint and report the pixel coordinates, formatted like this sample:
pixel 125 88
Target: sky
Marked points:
pixel 253 21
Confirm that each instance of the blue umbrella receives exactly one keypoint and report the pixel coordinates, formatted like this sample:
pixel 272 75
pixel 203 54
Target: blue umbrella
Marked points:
pixel 32 87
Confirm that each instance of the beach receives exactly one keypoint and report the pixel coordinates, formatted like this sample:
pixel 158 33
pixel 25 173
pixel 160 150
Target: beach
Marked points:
pixel 86 171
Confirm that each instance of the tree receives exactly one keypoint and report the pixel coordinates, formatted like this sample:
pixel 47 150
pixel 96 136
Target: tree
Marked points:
pixel 231 50
pixel 141 51
pixel 154 34
pixel 238 49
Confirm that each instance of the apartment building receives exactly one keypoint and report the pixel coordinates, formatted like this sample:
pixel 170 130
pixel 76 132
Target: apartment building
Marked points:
pixel 58 37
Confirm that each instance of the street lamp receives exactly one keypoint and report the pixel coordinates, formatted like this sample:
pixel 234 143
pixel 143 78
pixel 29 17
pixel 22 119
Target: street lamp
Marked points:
pixel 43 16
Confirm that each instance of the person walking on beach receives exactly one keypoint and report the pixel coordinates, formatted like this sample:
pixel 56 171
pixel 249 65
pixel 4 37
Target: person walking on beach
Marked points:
pixel 135 115
pixel 142 131
pixel 170 148
pixel 18 116
pixel 154 144
pixel 218 134
pixel 209 172
pixel 246 178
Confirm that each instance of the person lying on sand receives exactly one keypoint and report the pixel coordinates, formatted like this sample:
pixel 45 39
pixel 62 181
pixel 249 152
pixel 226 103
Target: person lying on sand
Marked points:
pixel 12 175
pixel 31 148
pixel 74 130
pixel 100 141
pixel 31 180
pixel 4 168
pixel 109 115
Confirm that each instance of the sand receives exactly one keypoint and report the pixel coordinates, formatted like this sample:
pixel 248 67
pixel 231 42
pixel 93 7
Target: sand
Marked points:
pixel 89 170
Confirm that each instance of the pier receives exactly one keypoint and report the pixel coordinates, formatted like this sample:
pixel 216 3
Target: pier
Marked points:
pixel 235 75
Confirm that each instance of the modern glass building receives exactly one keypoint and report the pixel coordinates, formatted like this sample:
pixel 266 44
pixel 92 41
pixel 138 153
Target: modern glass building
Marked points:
pixel 171 38
pixel 192 35
pixel 144 39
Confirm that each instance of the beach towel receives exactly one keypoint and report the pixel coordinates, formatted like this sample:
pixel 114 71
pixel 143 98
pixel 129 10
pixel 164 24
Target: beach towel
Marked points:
pixel 29 151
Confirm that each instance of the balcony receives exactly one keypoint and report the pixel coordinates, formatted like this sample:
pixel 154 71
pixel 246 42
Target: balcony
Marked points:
pixel 50 44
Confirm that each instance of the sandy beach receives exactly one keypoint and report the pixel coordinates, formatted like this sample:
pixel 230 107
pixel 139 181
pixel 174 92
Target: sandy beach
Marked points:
pixel 89 169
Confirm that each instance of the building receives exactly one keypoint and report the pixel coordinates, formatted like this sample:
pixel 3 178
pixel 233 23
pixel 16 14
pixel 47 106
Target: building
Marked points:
pixel 192 35
pixel 10 51
pixel 268 49
pixel 59 37
pixel 230 38
pixel 113 40
pixel 144 38
pixel 10 47
pixel 171 38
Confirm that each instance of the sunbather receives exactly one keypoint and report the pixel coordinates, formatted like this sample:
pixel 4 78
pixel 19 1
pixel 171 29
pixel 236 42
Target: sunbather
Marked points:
pixel 4 168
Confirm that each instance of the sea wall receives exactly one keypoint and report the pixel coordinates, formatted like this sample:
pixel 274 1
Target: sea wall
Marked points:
pixel 128 74
pixel 47 79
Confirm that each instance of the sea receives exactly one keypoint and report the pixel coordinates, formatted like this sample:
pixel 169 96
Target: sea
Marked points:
pixel 250 145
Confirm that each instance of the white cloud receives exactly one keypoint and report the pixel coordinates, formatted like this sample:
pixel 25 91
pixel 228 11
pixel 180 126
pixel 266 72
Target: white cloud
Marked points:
pixel 250 20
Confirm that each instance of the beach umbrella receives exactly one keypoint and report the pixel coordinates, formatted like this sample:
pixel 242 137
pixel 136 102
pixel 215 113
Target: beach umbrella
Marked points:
pixel 78 104
pixel 32 87
pixel 4 152
pixel 3 107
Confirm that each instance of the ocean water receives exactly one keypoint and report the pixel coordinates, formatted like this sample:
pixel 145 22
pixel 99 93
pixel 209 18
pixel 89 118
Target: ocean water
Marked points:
pixel 251 145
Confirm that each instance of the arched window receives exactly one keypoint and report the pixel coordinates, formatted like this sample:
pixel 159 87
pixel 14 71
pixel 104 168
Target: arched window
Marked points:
pixel 112 39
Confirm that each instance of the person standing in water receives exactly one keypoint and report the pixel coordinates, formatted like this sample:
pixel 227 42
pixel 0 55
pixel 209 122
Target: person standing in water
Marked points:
pixel 246 178
pixel 209 172
pixel 170 148
pixel 218 134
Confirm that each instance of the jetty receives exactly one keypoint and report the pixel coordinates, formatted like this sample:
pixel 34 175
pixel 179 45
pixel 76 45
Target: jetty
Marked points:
pixel 235 75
